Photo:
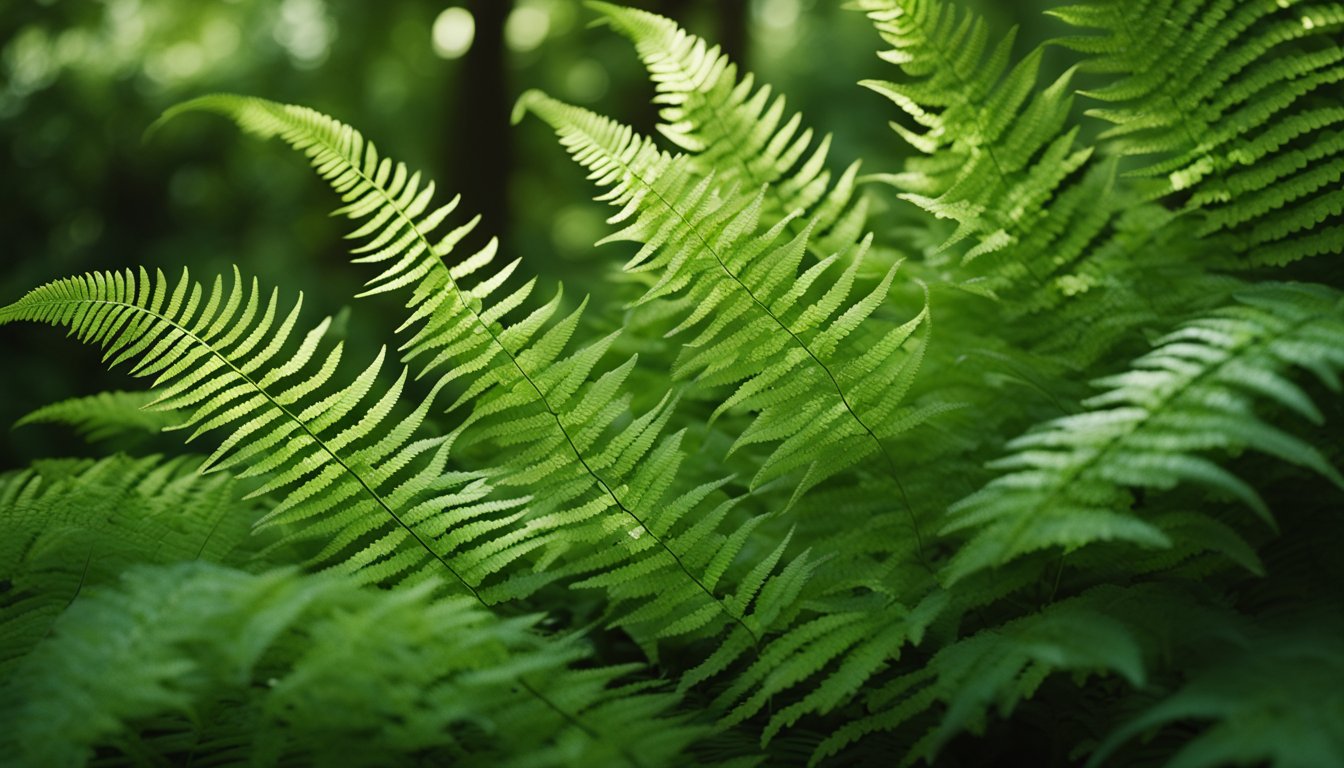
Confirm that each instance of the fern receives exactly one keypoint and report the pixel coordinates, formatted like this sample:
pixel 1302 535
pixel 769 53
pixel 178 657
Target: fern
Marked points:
pixel 1273 694
pixel 780 533
pixel 998 149
pixel 104 416
pixel 741 134
pixel 820 403
pixel 274 668
pixel 219 356
pixel 1227 104
pixel 997 669
pixel 1071 480
pixel 78 523
pixel 525 395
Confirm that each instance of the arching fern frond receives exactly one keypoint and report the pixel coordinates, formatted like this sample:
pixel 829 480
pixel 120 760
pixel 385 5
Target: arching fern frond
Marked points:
pixel 602 501
pixel 217 356
pixel 277 668
pixel 379 501
pixel 739 132
pixel 1234 108
pixel 1070 482
pixel 105 415
pixel 781 339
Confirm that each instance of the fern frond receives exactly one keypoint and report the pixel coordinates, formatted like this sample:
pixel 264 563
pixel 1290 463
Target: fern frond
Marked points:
pixel 105 415
pixel 217 356
pixel 74 524
pixel 277 668
pixel 779 338
pixel 1069 482
pixel 1233 108
pixel 738 132
pixel 1275 697
pixel 324 450
pixel 598 479
pixel 998 151
pixel 995 669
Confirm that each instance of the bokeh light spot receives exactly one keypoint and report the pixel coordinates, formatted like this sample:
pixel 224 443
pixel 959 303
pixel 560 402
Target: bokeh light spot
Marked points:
pixel 453 31
pixel 526 27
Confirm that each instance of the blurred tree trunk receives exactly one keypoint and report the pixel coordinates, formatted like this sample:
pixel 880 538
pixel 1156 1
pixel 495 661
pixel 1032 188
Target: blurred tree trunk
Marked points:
pixel 481 155
pixel 732 29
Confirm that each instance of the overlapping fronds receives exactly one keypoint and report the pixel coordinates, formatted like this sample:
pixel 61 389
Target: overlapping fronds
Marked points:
pixel 740 132
pixel 105 415
pixel 1271 695
pixel 1072 481
pixel 73 524
pixel 1147 575
pixel 1234 110
pixel 996 670
pixel 825 380
pixel 783 340
pixel 997 148
pixel 381 503
pixel 602 500
pixel 277 668
pixel 330 453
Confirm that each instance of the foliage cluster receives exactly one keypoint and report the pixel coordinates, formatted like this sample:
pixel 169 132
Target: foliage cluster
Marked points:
pixel 1035 461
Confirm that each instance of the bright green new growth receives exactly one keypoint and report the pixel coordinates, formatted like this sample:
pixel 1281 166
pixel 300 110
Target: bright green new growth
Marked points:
pixel 925 543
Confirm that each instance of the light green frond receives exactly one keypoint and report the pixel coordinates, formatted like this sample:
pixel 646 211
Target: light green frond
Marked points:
pixel 1070 483
pixel 998 149
pixel 739 132
pixel 550 426
pixel 780 339
pixel 280 417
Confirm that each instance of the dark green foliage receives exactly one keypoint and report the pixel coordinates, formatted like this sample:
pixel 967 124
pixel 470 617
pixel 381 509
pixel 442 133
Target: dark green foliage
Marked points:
pixel 1067 456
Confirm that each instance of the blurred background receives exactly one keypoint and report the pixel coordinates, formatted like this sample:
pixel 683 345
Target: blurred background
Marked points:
pixel 431 83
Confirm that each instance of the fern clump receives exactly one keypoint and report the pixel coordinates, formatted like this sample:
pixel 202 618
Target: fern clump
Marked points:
pixel 1100 492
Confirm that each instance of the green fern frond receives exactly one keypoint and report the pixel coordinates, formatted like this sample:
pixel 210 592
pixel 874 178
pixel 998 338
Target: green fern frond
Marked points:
pixel 277 668
pixel 995 669
pixel 1233 107
pixel 70 525
pixel 779 338
pixel 1069 482
pixel 597 479
pixel 323 450
pixel 384 500
pixel 1275 697
pixel 998 150
pixel 105 415
pixel 739 132
pixel 697 235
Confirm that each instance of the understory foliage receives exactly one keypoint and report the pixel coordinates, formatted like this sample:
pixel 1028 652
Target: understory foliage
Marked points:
pixel 1039 457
